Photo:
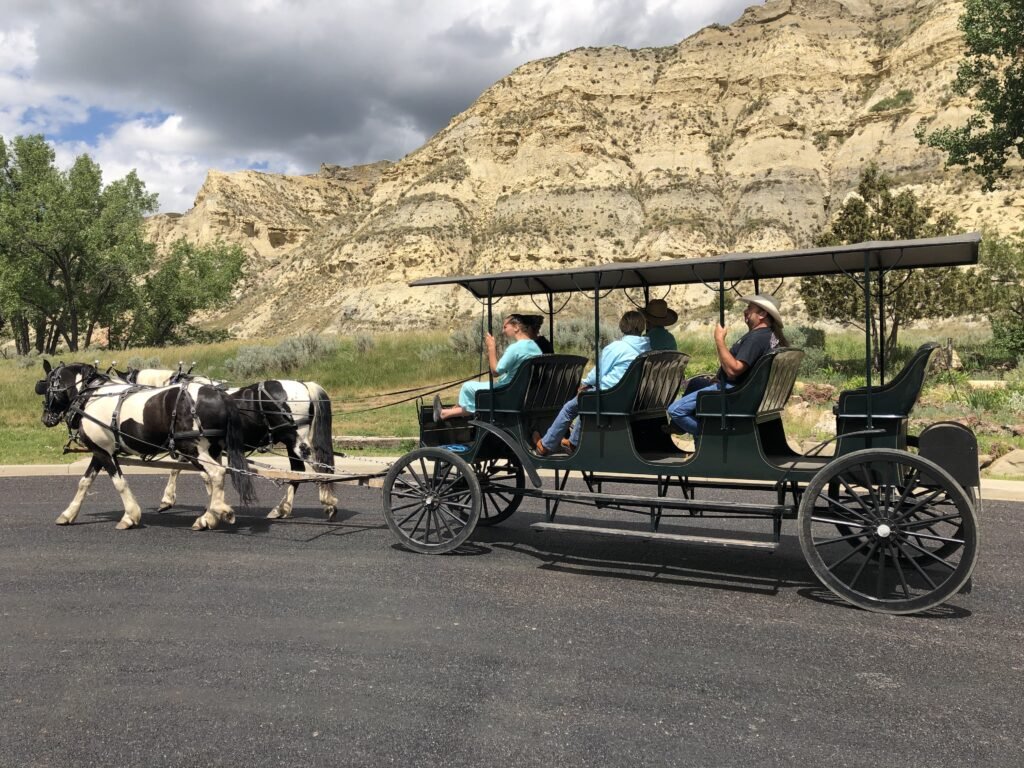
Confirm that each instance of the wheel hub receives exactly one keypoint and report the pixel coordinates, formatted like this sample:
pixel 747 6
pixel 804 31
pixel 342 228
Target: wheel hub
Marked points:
pixel 884 531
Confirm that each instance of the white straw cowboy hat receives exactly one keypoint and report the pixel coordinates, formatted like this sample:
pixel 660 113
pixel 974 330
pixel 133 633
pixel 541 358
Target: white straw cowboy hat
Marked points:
pixel 657 313
pixel 768 304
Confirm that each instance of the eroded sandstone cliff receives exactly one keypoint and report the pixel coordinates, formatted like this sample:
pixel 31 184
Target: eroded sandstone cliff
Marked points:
pixel 744 137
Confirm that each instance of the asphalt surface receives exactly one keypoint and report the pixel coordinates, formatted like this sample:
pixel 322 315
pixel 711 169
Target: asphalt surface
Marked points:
pixel 303 643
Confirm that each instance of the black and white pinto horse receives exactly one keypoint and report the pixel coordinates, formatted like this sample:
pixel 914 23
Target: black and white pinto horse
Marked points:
pixel 114 418
pixel 295 414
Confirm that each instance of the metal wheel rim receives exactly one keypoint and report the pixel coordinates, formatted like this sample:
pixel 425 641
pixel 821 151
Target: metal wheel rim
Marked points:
pixel 901 538
pixel 432 500
pixel 496 477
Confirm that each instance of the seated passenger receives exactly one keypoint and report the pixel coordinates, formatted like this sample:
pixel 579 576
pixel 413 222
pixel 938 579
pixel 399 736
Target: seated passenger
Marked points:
pixel 521 349
pixel 615 359
pixel 535 322
pixel 765 333
pixel 659 317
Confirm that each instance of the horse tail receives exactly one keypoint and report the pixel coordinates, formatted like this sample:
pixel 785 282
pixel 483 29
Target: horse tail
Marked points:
pixel 234 446
pixel 320 430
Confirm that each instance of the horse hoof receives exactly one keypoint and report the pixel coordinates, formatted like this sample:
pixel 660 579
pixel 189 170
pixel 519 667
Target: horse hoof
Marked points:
pixel 123 525
pixel 229 518
pixel 164 506
pixel 274 513
pixel 330 512
pixel 199 525
pixel 62 521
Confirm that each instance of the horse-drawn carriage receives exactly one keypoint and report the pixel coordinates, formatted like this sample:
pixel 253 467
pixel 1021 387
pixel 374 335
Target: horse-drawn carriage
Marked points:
pixel 887 523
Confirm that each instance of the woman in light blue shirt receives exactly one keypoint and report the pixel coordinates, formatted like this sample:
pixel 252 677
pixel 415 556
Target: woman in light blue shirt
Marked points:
pixel 615 359
pixel 522 348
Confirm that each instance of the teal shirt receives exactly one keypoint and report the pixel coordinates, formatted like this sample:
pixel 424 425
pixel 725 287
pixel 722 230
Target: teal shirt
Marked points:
pixel 661 339
pixel 615 359
pixel 515 355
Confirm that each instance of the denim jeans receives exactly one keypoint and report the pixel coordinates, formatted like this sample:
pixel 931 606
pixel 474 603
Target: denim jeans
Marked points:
pixel 682 410
pixel 553 437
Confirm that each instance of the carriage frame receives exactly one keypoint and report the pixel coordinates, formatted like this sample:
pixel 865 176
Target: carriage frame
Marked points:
pixel 887 523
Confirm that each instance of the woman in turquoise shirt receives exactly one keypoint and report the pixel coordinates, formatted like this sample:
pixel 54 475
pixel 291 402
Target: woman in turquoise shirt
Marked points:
pixel 522 348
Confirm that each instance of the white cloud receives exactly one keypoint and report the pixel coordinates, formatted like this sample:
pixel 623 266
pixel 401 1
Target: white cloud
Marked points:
pixel 282 84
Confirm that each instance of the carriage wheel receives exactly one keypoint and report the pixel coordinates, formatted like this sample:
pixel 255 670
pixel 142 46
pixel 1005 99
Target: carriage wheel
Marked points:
pixel 888 531
pixel 432 500
pixel 500 480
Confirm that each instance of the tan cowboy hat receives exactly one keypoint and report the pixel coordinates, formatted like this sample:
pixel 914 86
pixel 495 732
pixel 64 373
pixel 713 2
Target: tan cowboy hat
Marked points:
pixel 657 313
pixel 768 304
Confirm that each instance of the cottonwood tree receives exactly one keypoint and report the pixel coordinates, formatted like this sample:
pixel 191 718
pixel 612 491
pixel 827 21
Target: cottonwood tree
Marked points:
pixel 992 72
pixel 189 279
pixel 71 250
pixel 1002 290
pixel 875 213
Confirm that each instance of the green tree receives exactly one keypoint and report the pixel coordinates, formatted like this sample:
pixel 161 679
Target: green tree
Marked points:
pixel 71 251
pixel 188 280
pixel 875 213
pixel 1002 290
pixel 993 70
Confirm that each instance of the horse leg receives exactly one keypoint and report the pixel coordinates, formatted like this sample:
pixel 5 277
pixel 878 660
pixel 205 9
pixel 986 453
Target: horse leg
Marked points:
pixel 219 510
pixel 132 512
pixel 284 508
pixel 68 515
pixel 328 500
pixel 170 491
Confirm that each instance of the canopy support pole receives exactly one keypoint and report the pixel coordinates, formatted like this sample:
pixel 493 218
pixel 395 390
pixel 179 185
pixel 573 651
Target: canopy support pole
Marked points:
pixel 867 335
pixel 490 324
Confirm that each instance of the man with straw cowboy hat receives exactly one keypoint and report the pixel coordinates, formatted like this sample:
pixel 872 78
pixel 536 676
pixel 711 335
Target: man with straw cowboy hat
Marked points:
pixel 764 323
pixel 659 317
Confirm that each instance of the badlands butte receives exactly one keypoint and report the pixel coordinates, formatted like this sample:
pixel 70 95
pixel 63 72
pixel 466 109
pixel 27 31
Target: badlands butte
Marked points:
pixel 745 137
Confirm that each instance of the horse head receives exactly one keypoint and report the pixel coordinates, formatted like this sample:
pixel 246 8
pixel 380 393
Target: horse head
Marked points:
pixel 61 387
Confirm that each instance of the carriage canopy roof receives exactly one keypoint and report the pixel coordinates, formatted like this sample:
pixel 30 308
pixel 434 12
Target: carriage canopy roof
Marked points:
pixel 955 250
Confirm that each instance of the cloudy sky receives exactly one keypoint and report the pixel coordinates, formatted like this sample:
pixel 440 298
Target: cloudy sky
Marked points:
pixel 173 88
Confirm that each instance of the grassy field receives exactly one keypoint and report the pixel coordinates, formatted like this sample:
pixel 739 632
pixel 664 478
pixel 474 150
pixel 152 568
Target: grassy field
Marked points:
pixel 359 371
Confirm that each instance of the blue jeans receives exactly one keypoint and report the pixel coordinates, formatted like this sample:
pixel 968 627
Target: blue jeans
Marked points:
pixel 682 411
pixel 553 437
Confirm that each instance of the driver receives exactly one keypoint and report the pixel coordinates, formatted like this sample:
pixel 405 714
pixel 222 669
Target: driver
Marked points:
pixel 764 323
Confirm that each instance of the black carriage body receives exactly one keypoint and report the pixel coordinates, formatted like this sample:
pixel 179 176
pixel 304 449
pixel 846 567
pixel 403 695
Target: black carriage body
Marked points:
pixel 895 511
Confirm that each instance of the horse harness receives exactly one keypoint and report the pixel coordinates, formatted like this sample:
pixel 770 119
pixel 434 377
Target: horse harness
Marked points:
pixel 76 412
pixel 291 422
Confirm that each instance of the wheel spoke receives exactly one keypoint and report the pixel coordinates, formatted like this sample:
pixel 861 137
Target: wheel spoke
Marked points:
pixel 849 537
pixel 930 537
pixel 853 512
pixel 917 567
pixel 869 513
pixel 842 560
pixel 930 521
pixel 845 523
pixel 932 555
pixel 867 559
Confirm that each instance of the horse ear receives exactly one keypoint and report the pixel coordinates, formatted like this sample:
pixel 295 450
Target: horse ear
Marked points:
pixel 46 367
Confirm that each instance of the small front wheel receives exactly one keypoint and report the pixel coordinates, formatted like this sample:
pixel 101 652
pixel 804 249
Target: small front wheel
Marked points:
pixel 432 500
pixel 888 531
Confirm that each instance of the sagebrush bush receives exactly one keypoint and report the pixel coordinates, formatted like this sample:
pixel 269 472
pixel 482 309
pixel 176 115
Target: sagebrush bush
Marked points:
pixel 467 339
pixel 363 343
pixel 289 355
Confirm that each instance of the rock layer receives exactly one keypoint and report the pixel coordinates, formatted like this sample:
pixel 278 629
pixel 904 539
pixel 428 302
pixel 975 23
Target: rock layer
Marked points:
pixel 745 137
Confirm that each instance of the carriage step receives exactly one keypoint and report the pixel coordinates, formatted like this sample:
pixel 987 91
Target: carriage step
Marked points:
pixel 664 502
pixel 655 536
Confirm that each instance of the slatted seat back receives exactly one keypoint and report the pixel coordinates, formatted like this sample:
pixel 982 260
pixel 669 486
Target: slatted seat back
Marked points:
pixel 649 384
pixel 764 391
pixel 895 399
pixel 541 383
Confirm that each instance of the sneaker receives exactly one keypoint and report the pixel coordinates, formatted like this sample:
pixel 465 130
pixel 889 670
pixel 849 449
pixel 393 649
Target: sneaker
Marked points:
pixel 437 408
pixel 538 445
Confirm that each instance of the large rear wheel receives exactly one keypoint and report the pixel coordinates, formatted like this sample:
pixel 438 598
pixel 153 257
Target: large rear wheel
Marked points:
pixel 432 500
pixel 500 480
pixel 888 531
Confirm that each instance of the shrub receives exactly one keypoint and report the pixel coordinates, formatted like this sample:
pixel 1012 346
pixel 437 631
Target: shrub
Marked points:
pixel 363 343
pixel 289 355
pixel 467 339
pixel 899 99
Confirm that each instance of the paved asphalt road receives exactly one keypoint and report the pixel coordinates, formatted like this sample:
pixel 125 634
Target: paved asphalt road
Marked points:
pixel 303 643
